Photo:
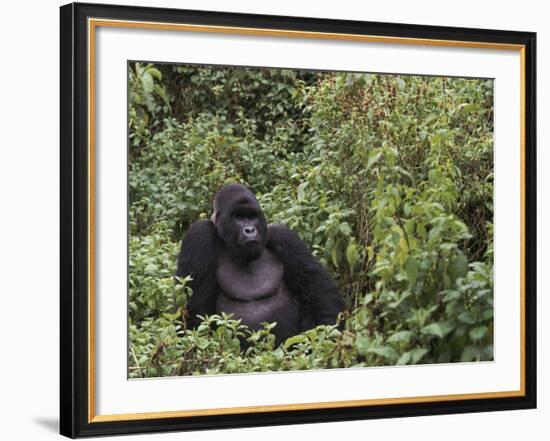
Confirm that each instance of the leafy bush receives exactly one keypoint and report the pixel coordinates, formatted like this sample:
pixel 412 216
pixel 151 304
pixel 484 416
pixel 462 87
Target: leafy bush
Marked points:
pixel 387 178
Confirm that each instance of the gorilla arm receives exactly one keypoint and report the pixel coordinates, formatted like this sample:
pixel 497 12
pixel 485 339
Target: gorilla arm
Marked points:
pixel 305 276
pixel 198 258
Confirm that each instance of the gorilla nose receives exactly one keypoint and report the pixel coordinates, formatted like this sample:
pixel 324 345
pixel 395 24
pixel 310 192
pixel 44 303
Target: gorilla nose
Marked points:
pixel 249 231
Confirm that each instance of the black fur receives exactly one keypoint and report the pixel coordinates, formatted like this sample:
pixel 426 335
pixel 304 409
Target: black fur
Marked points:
pixel 207 242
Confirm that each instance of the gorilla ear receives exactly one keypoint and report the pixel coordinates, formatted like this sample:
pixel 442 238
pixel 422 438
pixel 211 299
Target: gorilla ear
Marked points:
pixel 214 217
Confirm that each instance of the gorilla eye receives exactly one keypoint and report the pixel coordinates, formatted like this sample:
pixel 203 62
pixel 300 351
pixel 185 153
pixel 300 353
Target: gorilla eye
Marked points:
pixel 244 215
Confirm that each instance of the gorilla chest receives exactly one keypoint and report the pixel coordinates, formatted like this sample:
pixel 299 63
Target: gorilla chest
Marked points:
pixel 256 293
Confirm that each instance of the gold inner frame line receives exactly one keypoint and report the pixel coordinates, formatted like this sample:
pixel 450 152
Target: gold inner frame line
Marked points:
pixel 92 25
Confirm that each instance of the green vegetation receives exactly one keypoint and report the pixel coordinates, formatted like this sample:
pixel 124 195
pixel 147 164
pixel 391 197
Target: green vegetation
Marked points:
pixel 388 179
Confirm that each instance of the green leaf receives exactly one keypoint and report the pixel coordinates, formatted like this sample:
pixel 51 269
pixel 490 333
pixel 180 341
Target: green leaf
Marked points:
pixel 344 228
pixel 300 338
pixel 467 317
pixel 366 300
pixel 169 316
pixel 404 359
pixel 352 255
pixel 470 353
pixel 384 351
pixel 411 266
pixel 433 329
pixel 447 246
pixel 400 83
pixel 147 81
pixel 334 256
pixel 417 354
pixel 401 336
pixel 469 107
pixel 458 266
pixel 155 73
pixel 395 238
pixel 451 295
pixel 301 192
pixel 477 333
pixel 151 269
pixel 235 343
pixel 362 344
pixel 373 159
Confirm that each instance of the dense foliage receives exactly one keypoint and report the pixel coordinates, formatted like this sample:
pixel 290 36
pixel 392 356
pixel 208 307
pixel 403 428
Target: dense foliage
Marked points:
pixel 387 178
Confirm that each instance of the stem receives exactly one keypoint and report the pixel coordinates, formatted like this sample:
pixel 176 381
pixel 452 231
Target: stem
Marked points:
pixel 400 222
pixel 136 361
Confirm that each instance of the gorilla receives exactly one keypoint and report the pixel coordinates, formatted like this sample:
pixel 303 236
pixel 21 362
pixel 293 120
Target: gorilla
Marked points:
pixel 258 272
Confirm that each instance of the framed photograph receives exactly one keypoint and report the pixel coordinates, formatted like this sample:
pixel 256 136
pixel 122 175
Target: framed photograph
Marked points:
pixel 272 220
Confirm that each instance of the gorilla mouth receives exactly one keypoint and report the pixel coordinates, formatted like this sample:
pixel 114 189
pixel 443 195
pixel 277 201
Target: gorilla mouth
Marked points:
pixel 250 242
pixel 250 250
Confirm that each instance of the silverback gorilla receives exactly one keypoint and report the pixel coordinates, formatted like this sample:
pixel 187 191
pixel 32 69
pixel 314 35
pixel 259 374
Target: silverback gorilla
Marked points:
pixel 259 273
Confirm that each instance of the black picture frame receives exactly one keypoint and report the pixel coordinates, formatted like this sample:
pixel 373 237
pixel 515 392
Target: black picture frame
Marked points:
pixel 76 417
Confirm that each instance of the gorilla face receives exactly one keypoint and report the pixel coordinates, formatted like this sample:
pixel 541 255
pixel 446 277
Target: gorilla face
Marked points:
pixel 240 222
